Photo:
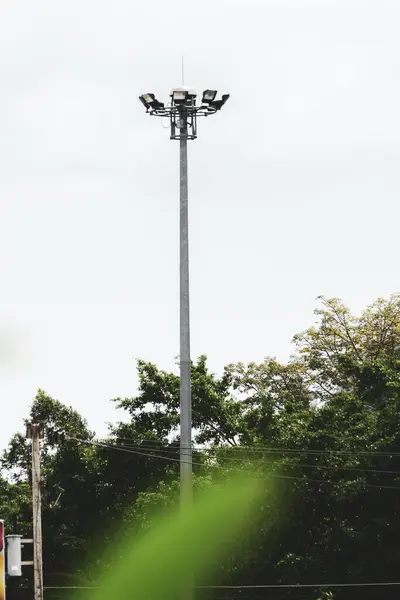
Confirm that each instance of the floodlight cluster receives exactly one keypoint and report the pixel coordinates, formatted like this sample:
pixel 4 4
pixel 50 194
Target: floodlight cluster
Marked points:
pixel 182 110
pixel 184 98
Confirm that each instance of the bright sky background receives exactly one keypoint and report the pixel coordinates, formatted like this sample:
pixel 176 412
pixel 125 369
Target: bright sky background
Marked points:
pixel 294 187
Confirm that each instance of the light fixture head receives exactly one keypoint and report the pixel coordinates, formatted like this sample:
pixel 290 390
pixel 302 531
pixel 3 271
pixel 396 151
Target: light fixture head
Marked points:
pixel 218 104
pixel 209 96
pixel 150 102
pixel 149 98
pixel 156 105
pixel 143 101
pixel 181 95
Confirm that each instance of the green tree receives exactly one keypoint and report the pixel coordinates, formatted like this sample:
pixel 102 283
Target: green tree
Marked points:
pixel 155 409
pixel 325 427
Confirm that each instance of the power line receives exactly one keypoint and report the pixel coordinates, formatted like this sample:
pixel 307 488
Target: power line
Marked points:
pixel 65 587
pixel 297 585
pixel 254 587
pixel 177 460
pixel 170 450
pixel 275 450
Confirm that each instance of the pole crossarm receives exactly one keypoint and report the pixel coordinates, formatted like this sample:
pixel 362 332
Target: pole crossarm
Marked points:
pixel 167 111
pixel 177 116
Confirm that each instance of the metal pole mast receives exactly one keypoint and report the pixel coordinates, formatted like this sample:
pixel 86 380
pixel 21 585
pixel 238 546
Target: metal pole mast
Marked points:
pixel 185 391
pixel 183 112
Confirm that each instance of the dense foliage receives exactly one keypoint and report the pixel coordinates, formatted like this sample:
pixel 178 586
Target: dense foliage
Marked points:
pixel 326 426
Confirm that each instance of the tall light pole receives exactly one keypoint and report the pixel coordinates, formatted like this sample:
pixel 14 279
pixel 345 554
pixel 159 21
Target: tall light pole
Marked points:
pixel 182 112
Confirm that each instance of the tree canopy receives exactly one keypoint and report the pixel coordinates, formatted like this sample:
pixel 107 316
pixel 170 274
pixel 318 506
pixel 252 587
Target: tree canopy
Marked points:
pixel 325 426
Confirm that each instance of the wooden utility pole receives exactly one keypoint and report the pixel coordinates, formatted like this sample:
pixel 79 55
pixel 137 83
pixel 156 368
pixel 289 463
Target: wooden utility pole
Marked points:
pixel 35 433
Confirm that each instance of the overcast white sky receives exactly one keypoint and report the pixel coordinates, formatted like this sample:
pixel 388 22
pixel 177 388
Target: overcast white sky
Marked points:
pixel 294 186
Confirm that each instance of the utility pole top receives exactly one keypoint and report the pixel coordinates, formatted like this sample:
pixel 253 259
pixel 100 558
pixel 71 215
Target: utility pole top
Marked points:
pixel 33 430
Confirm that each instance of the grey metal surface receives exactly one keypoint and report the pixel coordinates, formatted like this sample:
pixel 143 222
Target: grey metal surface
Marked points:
pixel 185 387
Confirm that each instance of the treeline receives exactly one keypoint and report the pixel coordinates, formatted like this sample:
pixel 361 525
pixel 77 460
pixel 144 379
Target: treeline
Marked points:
pixel 323 428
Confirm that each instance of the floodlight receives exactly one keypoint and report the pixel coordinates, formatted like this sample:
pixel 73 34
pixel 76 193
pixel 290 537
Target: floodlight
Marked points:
pixel 179 96
pixel 209 96
pixel 150 102
pixel 143 101
pixel 218 104
pixel 183 110
pixel 183 94
pixel 149 98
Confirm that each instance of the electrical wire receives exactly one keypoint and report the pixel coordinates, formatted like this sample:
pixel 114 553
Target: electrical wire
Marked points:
pixel 237 587
pixel 178 460
pixel 258 587
pixel 260 461
pixel 176 451
pixel 169 104
pixel 274 450
pixel 298 585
